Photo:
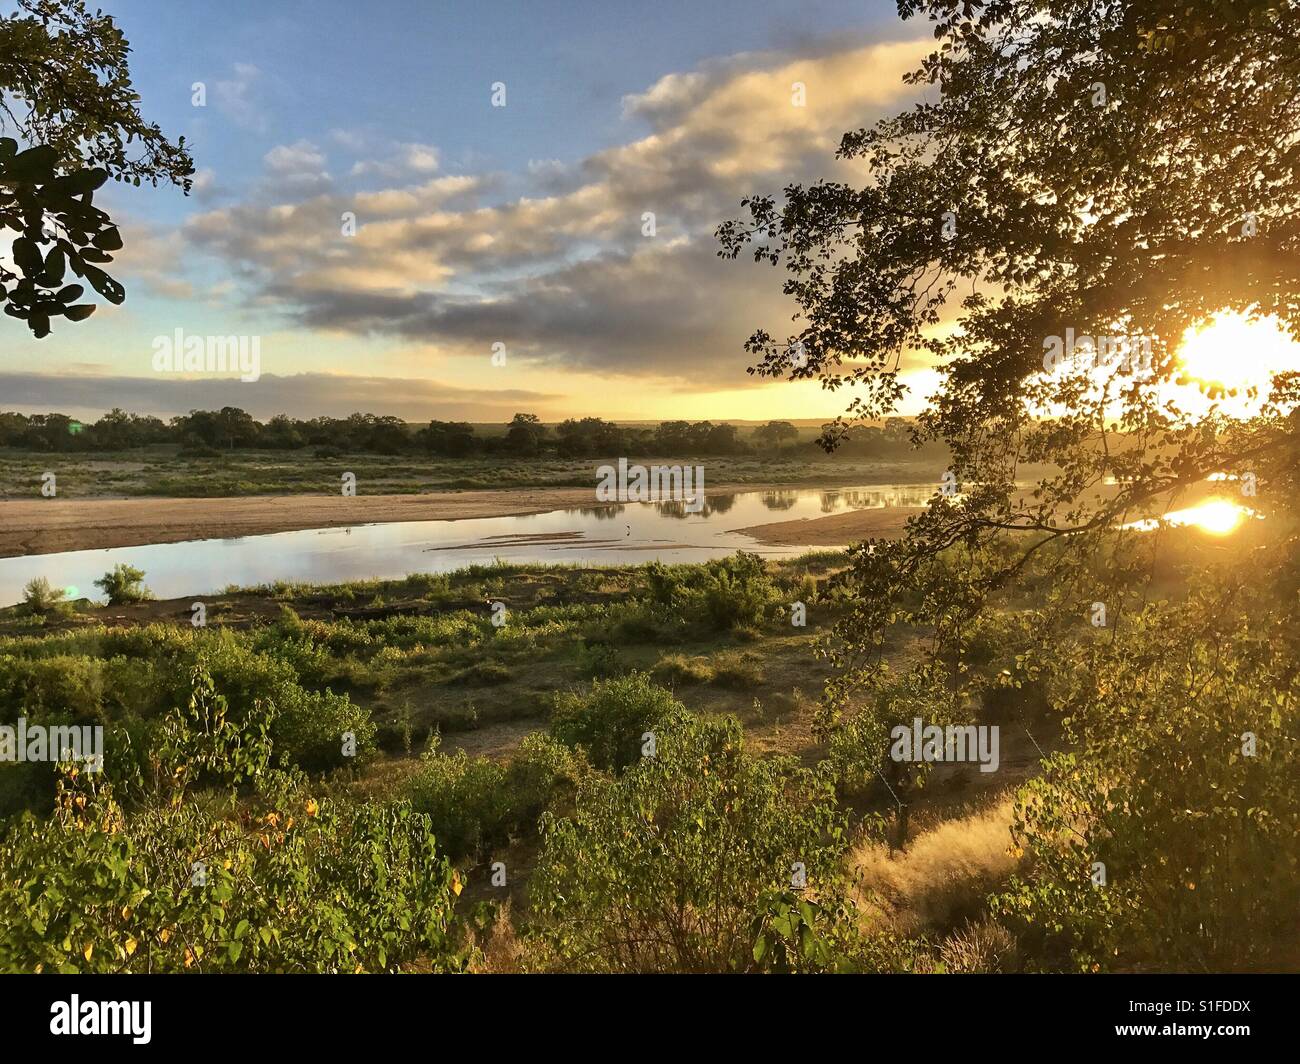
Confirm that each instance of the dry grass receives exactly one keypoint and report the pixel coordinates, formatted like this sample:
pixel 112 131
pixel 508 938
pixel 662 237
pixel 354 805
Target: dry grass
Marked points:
pixel 983 948
pixel 943 876
pixel 500 950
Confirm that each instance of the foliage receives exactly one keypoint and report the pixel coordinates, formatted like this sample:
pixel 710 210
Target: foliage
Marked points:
pixel 275 880
pixel 1196 834
pixel 476 804
pixel 40 597
pixel 663 868
pixel 65 72
pixel 609 719
pixel 724 593
pixel 123 583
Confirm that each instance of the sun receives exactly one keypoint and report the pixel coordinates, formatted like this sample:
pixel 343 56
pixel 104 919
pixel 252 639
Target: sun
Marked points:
pixel 1232 361
pixel 1216 516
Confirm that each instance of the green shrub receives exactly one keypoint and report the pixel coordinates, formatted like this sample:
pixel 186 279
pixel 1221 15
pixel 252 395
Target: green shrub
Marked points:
pixel 265 879
pixel 475 804
pixel 40 597
pixel 608 719
pixel 721 594
pixel 671 866
pixel 1182 782
pixel 598 660
pixel 309 726
pixel 124 584
pixel 287 884
pixel 465 800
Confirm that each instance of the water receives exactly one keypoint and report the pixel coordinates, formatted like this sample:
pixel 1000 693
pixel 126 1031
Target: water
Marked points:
pixel 626 534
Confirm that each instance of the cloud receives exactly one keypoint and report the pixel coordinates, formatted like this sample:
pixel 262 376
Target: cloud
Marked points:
pixel 234 98
pixel 297 168
pixel 405 161
pixel 561 271
pixel 302 395
pixel 154 258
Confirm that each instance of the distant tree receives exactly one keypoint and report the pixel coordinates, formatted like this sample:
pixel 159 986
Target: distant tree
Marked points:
pixel 723 439
pixel 524 435
pixel 281 434
pixel 69 100
pixel 235 427
pixel 451 439
pixel 589 436
pixel 776 433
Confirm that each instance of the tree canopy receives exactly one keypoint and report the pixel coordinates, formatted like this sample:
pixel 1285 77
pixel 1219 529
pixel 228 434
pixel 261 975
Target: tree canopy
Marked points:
pixel 66 96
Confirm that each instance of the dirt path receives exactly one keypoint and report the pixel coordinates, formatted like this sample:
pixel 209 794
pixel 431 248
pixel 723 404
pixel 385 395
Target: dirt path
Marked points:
pixel 47 526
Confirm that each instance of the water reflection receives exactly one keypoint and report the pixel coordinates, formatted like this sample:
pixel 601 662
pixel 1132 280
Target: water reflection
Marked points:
pixel 616 534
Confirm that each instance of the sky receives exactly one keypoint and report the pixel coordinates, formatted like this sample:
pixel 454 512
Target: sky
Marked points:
pixel 523 225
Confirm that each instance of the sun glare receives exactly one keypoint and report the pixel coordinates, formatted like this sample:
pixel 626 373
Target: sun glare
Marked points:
pixel 1218 517
pixel 1232 355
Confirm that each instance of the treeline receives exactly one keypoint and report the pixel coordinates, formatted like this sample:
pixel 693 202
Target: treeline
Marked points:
pixel 205 432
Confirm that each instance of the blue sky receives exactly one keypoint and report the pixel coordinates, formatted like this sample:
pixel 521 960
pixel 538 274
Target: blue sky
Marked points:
pixel 520 224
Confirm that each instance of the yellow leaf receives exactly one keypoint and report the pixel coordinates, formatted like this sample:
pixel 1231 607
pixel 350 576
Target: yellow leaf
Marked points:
pixel 456 884
pixel 164 934
pixel 130 946
pixel 312 807
pixel 90 949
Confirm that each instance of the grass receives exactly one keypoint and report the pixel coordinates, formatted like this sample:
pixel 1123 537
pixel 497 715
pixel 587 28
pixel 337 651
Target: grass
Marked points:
pixel 945 873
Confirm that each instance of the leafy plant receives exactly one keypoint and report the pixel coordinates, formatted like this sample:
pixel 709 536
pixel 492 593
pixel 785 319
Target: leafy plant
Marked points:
pixel 123 584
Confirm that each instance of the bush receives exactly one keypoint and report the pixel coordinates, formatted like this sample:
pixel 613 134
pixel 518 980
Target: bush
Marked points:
pixel 475 804
pixel 41 597
pixel 268 880
pixel 609 718
pixel 465 800
pixel 309 725
pixel 292 884
pixel 1182 782
pixel 124 584
pixel 598 660
pixel 672 866
pixel 723 594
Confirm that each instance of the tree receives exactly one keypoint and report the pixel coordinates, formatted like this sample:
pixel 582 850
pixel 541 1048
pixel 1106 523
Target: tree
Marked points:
pixel 67 95
pixel 123 584
pixel 452 439
pixel 1118 170
pixel 524 435
pixel 776 434
pixel 1121 172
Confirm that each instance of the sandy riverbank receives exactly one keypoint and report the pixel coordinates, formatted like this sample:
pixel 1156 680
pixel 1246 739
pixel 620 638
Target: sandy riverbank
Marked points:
pixel 835 530
pixel 47 526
